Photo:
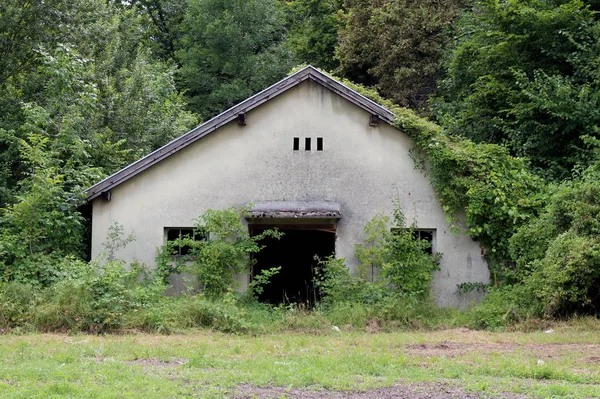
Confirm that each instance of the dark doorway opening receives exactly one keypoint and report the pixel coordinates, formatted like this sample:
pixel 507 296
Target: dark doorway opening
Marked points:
pixel 296 252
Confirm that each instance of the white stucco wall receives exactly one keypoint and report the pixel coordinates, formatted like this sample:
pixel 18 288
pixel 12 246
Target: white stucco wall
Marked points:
pixel 362 168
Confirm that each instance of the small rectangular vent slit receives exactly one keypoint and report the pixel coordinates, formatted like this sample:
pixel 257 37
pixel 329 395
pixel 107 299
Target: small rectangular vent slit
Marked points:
pixel 307 144
pixel 319 143
pixel 296 143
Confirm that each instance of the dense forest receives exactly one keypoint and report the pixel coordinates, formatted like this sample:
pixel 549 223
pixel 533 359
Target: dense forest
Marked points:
pixel 510 90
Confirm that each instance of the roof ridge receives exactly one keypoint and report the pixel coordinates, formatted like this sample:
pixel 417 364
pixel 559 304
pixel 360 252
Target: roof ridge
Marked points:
pixel 308 72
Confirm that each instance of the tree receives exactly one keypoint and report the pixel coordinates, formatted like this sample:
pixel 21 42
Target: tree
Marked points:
pixel 396 45
pixel 525 75
pixel 230 50
pixel 43 221
pixel 24 26
pixel 93 68
pixel 313 31
pixel 80 108
pixel 166 16
pixel 558 253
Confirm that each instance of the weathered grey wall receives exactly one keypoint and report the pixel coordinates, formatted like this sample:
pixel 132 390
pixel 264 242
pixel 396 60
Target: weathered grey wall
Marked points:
pixel 362 168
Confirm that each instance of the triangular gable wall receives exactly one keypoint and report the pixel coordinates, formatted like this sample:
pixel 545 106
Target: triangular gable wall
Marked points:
pixel 231 114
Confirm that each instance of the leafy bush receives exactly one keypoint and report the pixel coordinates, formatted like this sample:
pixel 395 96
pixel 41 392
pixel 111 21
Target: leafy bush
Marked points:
pixel 43 225
pixel 394 251
pixel 567 279
pixel 502 307
pixel 170 314
pixel 559 252
pixel 353 300
pixel 16 301
pixel 215 261
pixel 89 297
pixel 401 290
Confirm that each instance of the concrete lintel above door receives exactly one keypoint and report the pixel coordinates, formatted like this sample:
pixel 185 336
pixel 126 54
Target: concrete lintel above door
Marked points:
pixel 295 210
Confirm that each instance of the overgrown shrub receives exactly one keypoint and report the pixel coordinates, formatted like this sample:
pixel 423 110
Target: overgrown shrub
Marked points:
pixel 502 307
pixel 90 297
pixel 392 261
pixel 16 302
pixel 170 314
pixel 559 252
pixel 43 225
pixel 567 279
pixel 215 261
pixel 350 299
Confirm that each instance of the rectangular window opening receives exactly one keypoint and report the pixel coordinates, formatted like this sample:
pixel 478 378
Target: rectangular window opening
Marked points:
pixel 175 233
pixel 319 143
pixel 421 234
pixel 426 235
pixel 296 143
pixel 307 144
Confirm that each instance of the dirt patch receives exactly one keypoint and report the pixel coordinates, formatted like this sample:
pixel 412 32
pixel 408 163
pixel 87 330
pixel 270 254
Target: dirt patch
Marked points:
pixel 592 359
pixel 154 362
pixel 452 349
pixel 373 325
pixel 546 351
pixel 422 391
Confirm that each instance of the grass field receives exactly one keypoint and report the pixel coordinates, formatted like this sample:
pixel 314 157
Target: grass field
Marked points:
pixel 201 364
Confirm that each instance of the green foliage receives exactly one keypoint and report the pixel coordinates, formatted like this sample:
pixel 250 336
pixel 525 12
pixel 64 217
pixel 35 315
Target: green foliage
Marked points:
pixel 495 192
pixel 166 16
pixel 231 49
pixel 406 263
pixel 215 261
pixel 43 221
pixel 351 299
pixel 372 251
pixel 567 278
pixel 313 31
pixel 525 74
pixel 94 297
pixel 559 253
pixel 23 27
pixel 84 78
pixel 193 311
pixel 82 296
pixel 401 259
pixel 16 302
pixel 501 308
pixel 257 285
pixel 389 313
pixel 116 240
pixel 396 46
pixel 394 263
pixel 83 98
pixel 336 284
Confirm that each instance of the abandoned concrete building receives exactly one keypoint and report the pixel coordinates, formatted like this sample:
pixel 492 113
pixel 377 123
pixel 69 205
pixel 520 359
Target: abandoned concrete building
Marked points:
pixel 315 158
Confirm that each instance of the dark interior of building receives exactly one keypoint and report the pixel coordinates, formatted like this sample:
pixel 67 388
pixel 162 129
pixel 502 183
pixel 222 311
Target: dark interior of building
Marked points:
pixel 296 253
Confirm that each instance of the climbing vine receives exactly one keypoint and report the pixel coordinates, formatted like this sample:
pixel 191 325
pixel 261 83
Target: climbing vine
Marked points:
pixel 482 188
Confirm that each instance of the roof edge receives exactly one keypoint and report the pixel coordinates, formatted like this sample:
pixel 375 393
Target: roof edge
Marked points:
pixel 308 72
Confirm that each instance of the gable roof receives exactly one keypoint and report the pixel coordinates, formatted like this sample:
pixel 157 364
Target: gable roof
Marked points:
pixel 231 114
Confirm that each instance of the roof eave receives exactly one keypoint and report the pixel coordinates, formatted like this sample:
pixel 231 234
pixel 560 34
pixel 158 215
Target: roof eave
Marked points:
pixel 231 114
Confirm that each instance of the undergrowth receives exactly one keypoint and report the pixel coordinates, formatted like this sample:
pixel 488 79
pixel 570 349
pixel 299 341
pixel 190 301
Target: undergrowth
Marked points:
pixel 541 243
